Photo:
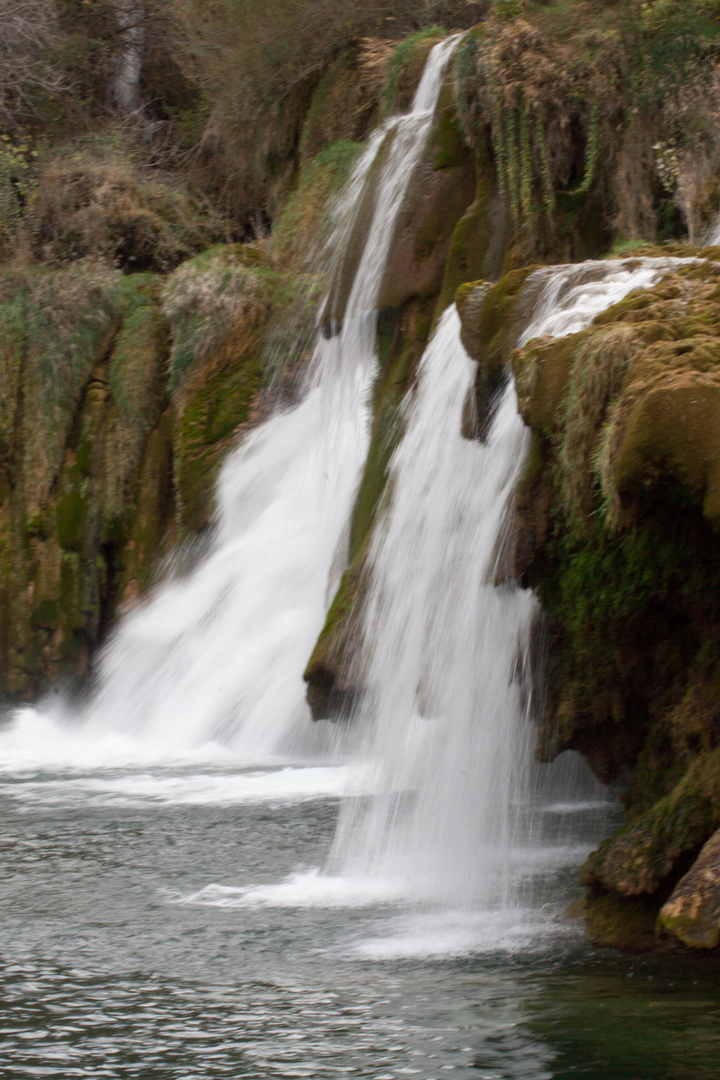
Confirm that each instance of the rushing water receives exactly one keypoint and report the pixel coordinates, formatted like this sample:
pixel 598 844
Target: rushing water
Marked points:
pixel 177 897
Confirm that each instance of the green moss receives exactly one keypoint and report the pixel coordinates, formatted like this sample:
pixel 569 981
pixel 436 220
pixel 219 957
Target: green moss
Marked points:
pixel 154 512
pixel 212 413
pixel 449 148
pixel 397 365
pixel 329 680
pixel 215 301
pixel 140 346
pixel 488 325
pixel 77 498
pixel 658 846
pixel 13 329
pixel 304 222
pixel 45 616
pixel 621 923
pixel 70 319
pixel 480 239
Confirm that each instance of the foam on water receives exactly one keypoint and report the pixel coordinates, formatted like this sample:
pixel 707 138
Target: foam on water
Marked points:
pixel 305 889
pixel 148 789
pixel 443 934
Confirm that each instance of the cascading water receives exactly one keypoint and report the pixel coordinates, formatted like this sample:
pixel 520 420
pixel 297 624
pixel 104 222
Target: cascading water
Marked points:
pixel 445 648
pixel 218 657
pixel 441 643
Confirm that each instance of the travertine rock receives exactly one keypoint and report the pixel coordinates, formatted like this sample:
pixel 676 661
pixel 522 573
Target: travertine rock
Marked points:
pixel 692 913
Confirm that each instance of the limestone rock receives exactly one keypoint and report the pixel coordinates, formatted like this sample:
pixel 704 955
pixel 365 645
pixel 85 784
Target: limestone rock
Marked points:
pixel 692 914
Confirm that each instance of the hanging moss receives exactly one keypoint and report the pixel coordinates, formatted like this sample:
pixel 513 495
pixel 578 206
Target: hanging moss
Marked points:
pixel 211 415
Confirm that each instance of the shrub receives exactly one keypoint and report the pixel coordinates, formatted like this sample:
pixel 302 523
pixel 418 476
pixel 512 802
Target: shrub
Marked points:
pixel 210 299
pixel 97 205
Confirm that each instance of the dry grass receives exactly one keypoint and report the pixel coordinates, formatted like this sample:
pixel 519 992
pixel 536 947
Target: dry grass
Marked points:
pixel 99 206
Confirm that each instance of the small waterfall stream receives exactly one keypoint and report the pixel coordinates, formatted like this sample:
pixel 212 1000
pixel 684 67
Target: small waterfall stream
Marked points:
pixel 446 649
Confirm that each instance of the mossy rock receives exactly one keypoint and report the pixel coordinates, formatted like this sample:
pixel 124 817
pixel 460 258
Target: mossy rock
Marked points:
pixel 212 304
pixel 212 410
pixel 489 319
pixel 402 337
pixel 480 239
pixel 152 528
pixel 333 682
pixel 333 676
pixel 439 192
pixel 620 923
pixel 304 223
pixel 649 851
pixel 137 372
pixel 448 148
pixel 692 913
pixel 72 316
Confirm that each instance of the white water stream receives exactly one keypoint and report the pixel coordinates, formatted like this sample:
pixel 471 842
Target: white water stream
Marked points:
pixel 210 669
pixel 214 663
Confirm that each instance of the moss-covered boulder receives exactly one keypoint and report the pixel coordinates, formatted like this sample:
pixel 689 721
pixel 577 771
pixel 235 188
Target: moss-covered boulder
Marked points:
pixel 482 235
pixel 218 306
pixel 692 914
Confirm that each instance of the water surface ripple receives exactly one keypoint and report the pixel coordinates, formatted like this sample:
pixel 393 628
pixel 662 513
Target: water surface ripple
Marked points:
pixel 118 960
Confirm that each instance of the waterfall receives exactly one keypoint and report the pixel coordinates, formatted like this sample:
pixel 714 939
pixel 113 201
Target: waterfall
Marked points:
pixel 445 648
pixel 218 657
pixel 215 659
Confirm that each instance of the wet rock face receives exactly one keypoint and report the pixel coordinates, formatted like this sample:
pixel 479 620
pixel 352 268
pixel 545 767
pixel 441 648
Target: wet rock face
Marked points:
pixel 334 673
pixel 692 914
pixel 104 460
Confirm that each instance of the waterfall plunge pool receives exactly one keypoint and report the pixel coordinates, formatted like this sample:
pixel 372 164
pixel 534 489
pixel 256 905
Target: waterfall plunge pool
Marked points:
pixel 171 922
